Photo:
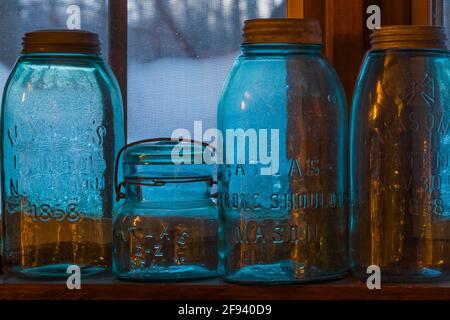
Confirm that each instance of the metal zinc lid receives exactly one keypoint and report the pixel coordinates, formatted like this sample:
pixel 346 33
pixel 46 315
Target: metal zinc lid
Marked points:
pixel 291 31
pixel 409 37
pixel 61 41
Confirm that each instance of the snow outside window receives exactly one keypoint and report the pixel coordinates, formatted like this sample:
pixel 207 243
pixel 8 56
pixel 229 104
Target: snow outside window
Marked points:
pixel 179 55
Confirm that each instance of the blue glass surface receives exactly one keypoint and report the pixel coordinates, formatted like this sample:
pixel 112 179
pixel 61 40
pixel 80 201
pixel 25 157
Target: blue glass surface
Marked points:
pixel 399 169
pixel 283 222
pixel 62 125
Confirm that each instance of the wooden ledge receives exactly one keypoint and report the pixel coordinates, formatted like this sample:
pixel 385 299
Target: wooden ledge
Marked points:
pixel 110 289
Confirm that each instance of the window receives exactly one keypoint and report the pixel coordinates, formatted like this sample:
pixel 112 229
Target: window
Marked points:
pixel 179 54
pixel 179 51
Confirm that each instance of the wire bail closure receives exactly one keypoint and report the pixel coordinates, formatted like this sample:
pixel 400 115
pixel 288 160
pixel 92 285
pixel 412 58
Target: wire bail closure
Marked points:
pixel 118 186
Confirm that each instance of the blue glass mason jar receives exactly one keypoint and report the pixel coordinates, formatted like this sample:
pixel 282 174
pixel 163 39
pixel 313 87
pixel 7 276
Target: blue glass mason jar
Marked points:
pixel 62 125
pixel 400 146
pixel 166 229
pixel 282 183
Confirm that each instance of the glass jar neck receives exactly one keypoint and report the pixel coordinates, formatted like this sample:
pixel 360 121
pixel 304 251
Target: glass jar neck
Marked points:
pixel 425 51
pixel 281 49
pixel 167 191
pixel 62 56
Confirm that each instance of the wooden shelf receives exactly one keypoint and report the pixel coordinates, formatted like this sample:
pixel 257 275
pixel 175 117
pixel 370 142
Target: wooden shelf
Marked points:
pixel 109 289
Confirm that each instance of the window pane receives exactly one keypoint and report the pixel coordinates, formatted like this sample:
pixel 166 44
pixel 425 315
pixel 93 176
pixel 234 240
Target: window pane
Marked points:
pixel 180 52
pixel 20 16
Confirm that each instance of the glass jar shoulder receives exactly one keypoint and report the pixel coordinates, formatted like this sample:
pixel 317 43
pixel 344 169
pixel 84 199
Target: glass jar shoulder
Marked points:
pixel 65 82
pixel 266 81
pixel 403 80
pixel 395 72
pixel 59 72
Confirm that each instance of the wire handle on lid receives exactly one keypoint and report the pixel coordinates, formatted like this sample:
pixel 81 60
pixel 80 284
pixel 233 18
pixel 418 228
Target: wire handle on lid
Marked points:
pixel 118 186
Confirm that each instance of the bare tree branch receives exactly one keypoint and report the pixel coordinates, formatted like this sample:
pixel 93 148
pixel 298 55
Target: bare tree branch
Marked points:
pixel 185 45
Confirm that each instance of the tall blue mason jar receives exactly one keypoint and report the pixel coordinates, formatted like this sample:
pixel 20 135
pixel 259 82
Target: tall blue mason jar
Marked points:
pixel 62 125
pixel 282 183
pixel 166 229
pixel 400 146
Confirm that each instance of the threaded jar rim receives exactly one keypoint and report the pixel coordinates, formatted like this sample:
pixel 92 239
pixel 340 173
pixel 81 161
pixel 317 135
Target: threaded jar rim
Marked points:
pixel 409 37
pixel 61 41
pixel 304 31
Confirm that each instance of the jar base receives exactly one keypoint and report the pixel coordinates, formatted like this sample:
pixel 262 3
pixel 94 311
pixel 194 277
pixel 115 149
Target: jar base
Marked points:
pixel 274 274
pixel 168 274
pixel 396 275
pixel 56 271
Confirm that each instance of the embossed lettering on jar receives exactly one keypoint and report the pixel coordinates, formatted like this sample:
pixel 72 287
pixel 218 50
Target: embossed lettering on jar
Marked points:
pixel 282 203
pixel 400 143
pixel 62 125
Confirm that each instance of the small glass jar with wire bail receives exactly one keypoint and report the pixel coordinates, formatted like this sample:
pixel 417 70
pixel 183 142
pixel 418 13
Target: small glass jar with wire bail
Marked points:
pixel 166 227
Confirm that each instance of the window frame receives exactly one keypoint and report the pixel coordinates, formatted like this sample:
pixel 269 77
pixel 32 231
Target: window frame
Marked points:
pixel 421 12
pixel 118 43
pixel 118 48
pixel 345 36
pixel 295 9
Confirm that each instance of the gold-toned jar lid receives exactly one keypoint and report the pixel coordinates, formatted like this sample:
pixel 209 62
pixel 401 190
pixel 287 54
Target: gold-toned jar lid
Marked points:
pixel 61 41
pixel 409 37
pixel 306 31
